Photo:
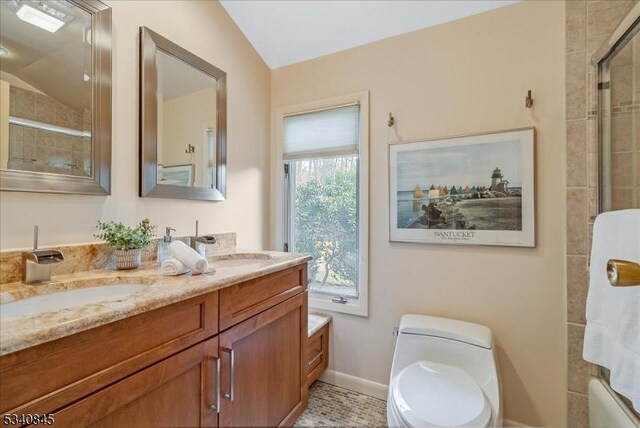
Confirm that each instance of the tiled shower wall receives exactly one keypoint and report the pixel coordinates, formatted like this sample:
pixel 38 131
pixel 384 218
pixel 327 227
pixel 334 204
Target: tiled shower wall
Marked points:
pixel 37 150
pixel 588 26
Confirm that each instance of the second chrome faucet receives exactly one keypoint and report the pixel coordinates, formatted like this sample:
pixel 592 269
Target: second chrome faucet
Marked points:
pixel 195 240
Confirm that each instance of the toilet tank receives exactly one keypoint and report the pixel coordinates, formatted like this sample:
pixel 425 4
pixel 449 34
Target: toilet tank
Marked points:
pixel 462 331
pixel 461 344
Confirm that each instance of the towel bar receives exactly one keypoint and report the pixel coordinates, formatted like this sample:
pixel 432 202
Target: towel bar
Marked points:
pixel 623 273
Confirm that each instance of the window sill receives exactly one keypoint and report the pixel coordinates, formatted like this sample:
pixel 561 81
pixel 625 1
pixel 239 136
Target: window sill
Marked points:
pixel 352 307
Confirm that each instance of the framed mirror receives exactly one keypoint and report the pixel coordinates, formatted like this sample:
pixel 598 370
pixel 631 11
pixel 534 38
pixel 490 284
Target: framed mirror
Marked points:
pixel 182 122
pixel 55 96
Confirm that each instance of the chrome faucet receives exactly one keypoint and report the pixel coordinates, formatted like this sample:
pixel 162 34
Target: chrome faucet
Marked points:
pixel 206 239
pixel 36 263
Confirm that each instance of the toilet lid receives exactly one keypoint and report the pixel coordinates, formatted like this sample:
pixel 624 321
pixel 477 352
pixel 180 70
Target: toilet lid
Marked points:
pixel 427 394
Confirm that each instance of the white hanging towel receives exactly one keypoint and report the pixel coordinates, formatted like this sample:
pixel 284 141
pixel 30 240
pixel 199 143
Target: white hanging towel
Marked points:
pixel 612 335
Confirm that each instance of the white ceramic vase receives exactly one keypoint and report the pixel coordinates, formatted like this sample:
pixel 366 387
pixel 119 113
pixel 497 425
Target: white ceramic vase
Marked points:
pixel 127 259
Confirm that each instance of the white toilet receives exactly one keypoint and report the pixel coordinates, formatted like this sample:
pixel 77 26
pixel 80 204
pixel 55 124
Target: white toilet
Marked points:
pixel 444 374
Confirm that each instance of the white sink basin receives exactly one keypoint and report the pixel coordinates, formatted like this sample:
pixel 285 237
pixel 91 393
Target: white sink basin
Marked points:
pixel 66 299
pixel 237 263
pixel 240 261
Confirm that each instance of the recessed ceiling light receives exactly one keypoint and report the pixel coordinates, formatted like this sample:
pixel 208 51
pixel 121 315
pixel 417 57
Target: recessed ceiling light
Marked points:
pixel 86 77
pixel 3 51
pixel 39 18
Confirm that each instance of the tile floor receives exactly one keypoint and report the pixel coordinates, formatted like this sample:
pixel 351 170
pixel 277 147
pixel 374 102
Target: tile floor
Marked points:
pixel 333 406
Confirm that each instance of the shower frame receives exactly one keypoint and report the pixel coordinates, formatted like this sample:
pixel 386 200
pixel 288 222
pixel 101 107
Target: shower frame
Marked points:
pixel 628 28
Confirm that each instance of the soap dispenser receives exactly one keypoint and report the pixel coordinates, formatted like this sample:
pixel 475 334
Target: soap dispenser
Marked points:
pixel 163 247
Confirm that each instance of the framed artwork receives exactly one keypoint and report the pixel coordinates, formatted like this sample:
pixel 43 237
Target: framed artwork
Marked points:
pixel 176 175
pixel 470 190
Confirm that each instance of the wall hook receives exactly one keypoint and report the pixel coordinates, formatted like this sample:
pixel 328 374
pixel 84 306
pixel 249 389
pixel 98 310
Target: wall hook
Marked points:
pixel 528 102
pixel 391 121
pixel 191 149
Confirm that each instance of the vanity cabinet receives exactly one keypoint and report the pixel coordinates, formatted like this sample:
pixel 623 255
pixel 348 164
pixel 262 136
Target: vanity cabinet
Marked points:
pixel 246 344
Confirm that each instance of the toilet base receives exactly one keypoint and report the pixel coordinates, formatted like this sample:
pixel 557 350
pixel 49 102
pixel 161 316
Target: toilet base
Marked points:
pixel 392 418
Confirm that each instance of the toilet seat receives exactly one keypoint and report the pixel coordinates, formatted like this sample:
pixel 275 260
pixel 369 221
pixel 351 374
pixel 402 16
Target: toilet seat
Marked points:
pixel 428 394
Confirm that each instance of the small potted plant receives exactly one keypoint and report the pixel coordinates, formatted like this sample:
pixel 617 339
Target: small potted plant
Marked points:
pixel 126 241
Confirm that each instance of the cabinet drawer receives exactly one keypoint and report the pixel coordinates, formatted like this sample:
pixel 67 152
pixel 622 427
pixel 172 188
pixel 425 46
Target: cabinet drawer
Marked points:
pixel 242 301
pixel 178 391
pixel 314 357
pixel 45 377
pixel 318 354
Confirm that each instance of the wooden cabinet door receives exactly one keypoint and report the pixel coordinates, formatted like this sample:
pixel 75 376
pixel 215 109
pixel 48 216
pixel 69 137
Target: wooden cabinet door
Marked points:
pixel 177 392
pixel 264 367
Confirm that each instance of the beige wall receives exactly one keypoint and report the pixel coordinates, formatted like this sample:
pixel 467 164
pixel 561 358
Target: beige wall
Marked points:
pixel 205 29
pixel 462 77
pixel 185 121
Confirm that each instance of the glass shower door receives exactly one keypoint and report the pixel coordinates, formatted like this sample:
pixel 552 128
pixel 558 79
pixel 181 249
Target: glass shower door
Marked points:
pixel 619 113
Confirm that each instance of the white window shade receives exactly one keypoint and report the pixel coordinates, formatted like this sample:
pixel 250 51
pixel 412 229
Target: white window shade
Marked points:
pixel 322 133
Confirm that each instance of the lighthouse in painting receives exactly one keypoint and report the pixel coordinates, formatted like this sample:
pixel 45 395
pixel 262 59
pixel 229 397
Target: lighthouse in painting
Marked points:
pixel 496 178
pixel 497 182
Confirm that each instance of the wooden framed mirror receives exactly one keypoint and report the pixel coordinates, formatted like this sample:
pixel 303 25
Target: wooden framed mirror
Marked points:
pixel 182 122
pixel 55 96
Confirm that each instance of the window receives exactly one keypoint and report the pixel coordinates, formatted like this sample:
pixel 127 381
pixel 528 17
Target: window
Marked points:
pixel 324 198
pixel 210 179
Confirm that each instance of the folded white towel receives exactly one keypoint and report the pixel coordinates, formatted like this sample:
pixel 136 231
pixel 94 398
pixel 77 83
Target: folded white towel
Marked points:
pixel 187 255
pixel 172 267
pixel 612 335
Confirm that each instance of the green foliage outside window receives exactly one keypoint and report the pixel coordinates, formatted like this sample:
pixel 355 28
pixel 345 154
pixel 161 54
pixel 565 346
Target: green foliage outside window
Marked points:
pixel 326 226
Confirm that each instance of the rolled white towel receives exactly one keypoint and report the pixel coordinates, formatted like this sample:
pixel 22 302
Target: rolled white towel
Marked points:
pixel 172 267
pixel 187 255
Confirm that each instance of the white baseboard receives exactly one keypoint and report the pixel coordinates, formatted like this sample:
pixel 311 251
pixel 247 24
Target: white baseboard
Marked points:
pixel 363 386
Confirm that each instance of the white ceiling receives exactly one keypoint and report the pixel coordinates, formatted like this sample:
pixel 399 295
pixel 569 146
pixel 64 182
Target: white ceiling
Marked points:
pixel 53 63
pixel 285 32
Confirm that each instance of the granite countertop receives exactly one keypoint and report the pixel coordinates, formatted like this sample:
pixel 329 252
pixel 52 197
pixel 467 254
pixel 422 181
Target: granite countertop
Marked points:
pixel 30 330
pixel 317 320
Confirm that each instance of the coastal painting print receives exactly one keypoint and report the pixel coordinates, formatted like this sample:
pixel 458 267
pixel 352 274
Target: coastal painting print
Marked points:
pixel 176 175
pixel 476 189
